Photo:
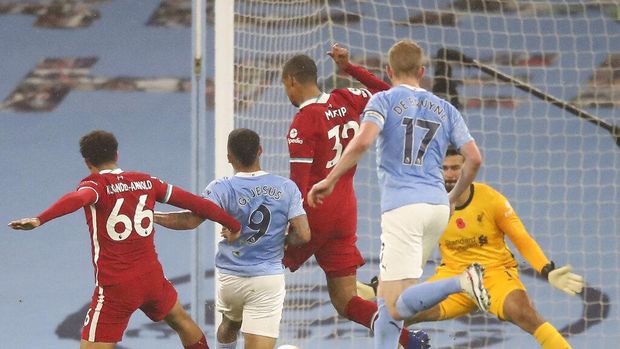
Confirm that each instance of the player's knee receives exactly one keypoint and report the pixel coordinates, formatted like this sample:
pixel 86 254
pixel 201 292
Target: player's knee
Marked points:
pixel 394 313
pixel 229 326
pixel 178 319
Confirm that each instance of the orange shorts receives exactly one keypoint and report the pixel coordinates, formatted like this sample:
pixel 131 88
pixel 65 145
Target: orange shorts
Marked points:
pixel 499 282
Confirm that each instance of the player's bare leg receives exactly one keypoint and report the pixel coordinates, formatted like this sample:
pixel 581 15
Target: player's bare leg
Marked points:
pixel 390 291
pixel 518 309
pixel 341 290
pixel 190 334
pixel 95 345
pixel 253 341
pixel 227 333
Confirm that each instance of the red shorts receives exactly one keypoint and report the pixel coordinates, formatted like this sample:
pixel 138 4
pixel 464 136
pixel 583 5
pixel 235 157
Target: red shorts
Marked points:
pixel 111 306
pixel 331 243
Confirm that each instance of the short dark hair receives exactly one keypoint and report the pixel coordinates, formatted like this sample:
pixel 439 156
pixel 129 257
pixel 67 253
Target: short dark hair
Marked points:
pixel 452 151
pixel 243 144
pixel 302 68
pixel 99 147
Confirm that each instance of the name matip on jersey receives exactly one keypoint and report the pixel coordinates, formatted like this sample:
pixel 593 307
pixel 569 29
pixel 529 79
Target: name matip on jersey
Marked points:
pixel 121 223
pixel 263 203
pixel 416 129
pixel 321 131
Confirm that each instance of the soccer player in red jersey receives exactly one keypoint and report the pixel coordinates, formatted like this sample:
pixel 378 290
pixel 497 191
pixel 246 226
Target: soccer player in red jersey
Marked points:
pixel 321 130
pixel 128 276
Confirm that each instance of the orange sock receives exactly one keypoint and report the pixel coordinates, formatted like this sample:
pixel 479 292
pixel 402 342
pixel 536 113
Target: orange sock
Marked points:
pixel 549 338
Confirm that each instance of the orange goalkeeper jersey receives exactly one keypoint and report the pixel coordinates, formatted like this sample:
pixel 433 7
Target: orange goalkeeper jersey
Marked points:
pixel 477 230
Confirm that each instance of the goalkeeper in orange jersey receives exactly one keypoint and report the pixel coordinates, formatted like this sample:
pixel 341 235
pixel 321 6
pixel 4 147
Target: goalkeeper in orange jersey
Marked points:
pixel 475 233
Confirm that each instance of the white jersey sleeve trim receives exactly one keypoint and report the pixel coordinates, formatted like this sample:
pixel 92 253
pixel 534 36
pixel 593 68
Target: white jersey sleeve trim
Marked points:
pixel 301 160
pixel 93 189
pixel 168 193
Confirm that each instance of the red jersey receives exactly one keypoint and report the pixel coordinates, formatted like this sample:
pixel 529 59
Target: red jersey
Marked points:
pixel 317 137
pixel 120 222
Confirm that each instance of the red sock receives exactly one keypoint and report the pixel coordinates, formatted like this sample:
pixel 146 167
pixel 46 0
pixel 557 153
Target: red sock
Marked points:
pixel 404 337
pixel 361 311
pixel 201 344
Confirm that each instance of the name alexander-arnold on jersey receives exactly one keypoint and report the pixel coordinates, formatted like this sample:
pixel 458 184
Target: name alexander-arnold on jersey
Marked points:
pixel 131 186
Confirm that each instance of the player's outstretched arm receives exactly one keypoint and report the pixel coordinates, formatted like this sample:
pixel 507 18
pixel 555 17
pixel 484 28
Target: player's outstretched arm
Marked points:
pixel 299 231
pixel 510 223
pixel 203 208
pixel 473 161
pixel 340 55
pixel 69 203
pixel 180 220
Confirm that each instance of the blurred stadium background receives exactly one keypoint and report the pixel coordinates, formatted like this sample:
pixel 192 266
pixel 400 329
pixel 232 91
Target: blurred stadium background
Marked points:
pixel 126 66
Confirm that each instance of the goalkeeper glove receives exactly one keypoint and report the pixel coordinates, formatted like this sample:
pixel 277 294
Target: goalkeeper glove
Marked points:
pixel 563 279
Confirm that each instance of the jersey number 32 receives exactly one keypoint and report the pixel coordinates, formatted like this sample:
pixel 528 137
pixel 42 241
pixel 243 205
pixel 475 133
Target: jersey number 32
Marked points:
pixel 339 132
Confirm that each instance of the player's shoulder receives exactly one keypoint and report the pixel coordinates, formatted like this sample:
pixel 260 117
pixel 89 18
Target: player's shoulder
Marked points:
pixel 93 179
pixel 281 181
pixel 485 190
pixel 220 182
pixel 350 92
pixel 277 179
pixel 306 116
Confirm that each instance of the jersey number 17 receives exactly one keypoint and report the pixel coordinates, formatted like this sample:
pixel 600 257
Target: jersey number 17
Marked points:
pixel 430 129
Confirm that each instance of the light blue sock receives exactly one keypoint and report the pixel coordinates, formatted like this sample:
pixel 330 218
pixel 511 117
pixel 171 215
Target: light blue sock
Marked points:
pixel 387 330
pixel 423 296
pixel 232 345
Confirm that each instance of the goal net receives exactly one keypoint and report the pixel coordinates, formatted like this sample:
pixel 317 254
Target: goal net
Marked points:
pixel 559 172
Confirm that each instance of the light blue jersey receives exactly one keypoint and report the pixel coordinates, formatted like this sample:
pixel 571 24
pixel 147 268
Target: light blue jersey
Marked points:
pixel 263 203
pixel 416 129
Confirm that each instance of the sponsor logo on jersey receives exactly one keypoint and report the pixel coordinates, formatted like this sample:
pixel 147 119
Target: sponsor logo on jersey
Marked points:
pixel 292 137
pixel 462 244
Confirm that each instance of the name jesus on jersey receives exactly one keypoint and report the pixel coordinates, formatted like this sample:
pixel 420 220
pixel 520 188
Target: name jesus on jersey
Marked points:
pixel 265 190
pixel 131 186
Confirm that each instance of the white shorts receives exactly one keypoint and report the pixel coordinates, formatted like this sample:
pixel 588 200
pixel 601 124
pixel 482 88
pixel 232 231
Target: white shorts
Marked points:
pixel 256 300
pixel 408 236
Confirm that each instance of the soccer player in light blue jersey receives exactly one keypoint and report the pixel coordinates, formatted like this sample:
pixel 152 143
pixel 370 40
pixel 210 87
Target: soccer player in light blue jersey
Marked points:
pixel 413 129
pixel 249 263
